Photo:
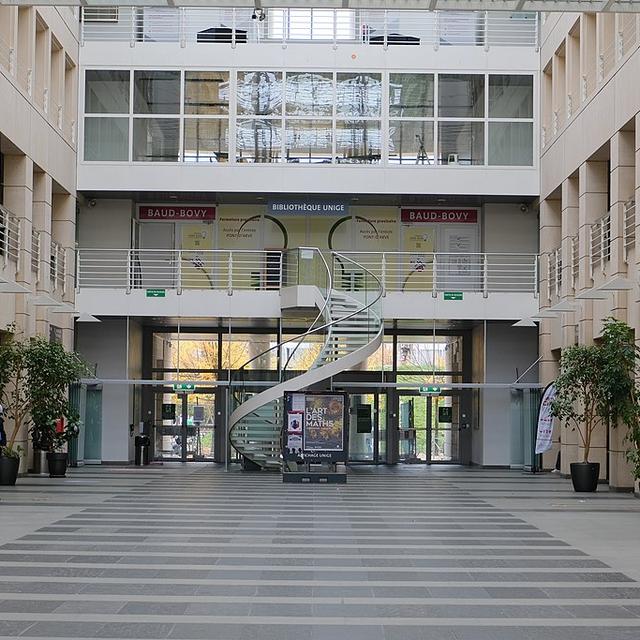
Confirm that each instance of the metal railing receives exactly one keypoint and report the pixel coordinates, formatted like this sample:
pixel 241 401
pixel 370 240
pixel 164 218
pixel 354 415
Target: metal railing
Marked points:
pixel 575 262
pixel 554 273
pixel 35 252
pixel 187 25
pixel 266 270
pixel 600 243
pixel 629 227
pixel 58 266
pixel 9 236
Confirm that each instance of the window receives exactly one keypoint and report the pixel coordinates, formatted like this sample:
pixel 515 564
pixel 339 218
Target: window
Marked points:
pixel 410 95
pixel 309 94
pixel 259 138
pixel 308 141
pixel 156 92
pixel 511 143
pixel 156 139
pixel 411 142
pixel 106 91
pixel 106 139
pixel 206 140
pixel 206 92
pixel 100 14
pixel 461 143
pixel 510 96
pixel 461 96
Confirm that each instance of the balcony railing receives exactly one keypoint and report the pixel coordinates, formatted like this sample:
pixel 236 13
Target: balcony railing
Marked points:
pixel 600 243
pixel 235 26
pixel 554 273
pixel 9 236
pixel 131 269
pixel 629 228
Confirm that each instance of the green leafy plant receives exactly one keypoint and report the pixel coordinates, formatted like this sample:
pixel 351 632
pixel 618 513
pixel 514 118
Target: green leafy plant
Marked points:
pixel 50 369
pixel 598 385
pixel 35 376
pixel 13 392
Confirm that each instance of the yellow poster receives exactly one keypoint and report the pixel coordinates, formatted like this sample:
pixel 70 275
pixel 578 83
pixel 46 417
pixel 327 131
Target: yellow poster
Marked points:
pixel 239 231
pixel 415 269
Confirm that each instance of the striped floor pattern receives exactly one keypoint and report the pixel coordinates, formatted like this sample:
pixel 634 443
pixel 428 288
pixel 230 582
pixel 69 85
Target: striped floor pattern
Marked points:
pixel 192 552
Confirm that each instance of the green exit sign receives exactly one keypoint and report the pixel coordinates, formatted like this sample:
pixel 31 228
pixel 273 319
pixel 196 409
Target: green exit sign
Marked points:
pixel 156 293
pixel 184 386
pixel 431 389
pixel 453 295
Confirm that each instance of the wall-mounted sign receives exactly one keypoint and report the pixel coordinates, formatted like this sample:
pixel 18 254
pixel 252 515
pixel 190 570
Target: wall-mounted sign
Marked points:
pixel 156 293
pixel 453 295
pixel 184 386
pixel 445 414
pixel 430 390
pixel 411 214
pixel 176 212
pixel 304 207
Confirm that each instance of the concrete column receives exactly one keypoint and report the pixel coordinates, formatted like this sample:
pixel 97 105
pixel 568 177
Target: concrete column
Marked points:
pixel 42 195
pixel 18 198
pixel 63 230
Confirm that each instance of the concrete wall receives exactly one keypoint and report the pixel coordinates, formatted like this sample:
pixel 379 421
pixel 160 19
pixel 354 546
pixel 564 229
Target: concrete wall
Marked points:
pixel 508 229
pixel 105 343
pixel 105 225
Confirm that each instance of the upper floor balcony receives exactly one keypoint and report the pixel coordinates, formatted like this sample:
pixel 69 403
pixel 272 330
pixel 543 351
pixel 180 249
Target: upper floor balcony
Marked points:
pixel 236 283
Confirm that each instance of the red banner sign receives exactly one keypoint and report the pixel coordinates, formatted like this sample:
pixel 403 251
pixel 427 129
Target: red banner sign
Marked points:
pixel 173 212
pixel 439 215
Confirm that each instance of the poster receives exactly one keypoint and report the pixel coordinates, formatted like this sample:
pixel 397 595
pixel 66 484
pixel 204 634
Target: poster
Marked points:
pixel 545 420
pixel 323 423
pixel 314 428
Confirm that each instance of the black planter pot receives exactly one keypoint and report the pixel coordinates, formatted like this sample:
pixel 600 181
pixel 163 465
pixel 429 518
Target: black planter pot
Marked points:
pixel 8 471
pixel 584 476
pixel 57 464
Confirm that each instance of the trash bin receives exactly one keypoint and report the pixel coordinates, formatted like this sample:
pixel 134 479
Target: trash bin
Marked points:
pixel 142 445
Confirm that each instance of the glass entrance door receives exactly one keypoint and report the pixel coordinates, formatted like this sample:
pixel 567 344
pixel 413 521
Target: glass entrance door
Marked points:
pixel 184 426
pixel 367 426
pixel 429 429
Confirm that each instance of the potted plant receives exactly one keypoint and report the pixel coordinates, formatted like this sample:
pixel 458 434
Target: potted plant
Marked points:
pixel 597 386
pixel 50 369
pixel 577 396
pixel 14 407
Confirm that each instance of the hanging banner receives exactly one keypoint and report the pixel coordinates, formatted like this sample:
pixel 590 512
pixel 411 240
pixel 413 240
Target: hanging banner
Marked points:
pixel 173 212
pixel 412 214
pixel 545 420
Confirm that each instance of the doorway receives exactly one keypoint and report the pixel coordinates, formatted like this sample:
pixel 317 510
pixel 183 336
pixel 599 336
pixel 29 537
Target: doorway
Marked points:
pixel 184 426
pixel 429 429
pixel 367 427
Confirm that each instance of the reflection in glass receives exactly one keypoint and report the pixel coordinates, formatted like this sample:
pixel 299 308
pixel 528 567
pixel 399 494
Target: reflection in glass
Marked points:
pixel 511 96
pixel 410 95
pixel 258 140
pixel 461 96
pixel 511 143
pixel 106 139
pixel 156 92
pixel 259 93
pixel 241 349
pixel 206 140
pixel 206 92
pixel 461 143
pixel 411 142
pixel 106 91
pixel 156 139
pixel 358 141
pixel 308 141
pixel 309 94
pixel 359 94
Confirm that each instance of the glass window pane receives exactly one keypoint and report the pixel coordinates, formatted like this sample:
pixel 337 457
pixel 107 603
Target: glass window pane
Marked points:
pixel 411 142
pixel 359 94
pixel 410 95
pixel 258 140
pixel 309 94
pixel 156 139
pixel 106 139
pixel 461 96
pixel 511 96
pixel 206 92
pixel 308 141
pixel 461 142
pixel 106 91
pixel 511 143
pixel 259 93
pixel 358 141
pixel 206 140
pixel 156 92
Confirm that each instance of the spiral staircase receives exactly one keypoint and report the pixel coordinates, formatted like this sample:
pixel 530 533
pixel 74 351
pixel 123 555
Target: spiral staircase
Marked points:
pixel 350 322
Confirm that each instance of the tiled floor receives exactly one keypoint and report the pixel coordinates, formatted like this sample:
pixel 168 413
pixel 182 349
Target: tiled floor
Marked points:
pixel 404 554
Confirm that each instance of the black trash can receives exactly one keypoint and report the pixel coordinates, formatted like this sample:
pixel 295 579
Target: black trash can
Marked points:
pixel 142 447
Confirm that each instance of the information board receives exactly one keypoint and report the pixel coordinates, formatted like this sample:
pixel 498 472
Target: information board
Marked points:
pixel 315 427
